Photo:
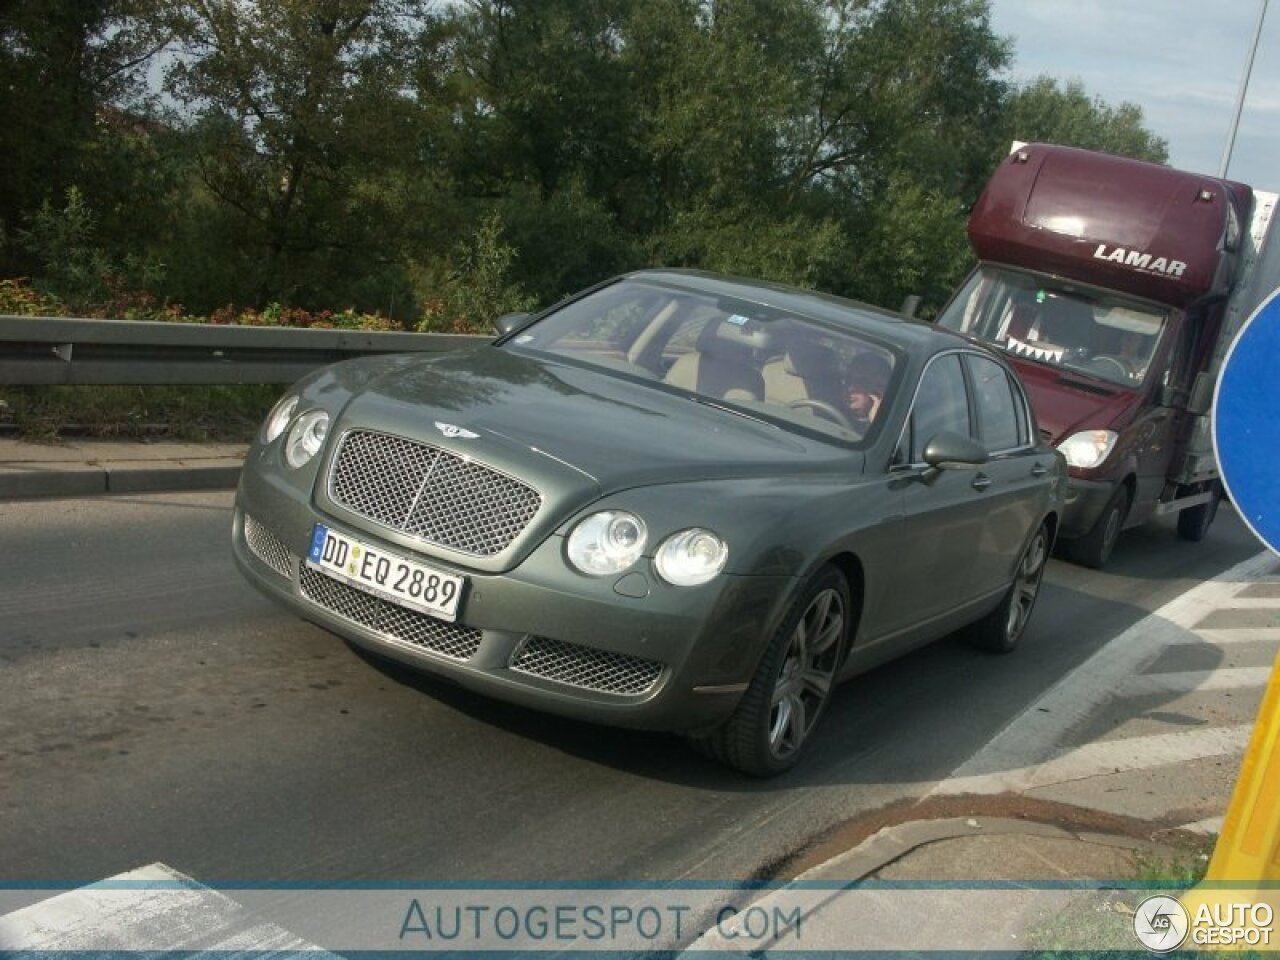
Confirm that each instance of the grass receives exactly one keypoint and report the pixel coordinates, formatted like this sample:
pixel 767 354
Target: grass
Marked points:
pixel 1103 919
pixel 225 413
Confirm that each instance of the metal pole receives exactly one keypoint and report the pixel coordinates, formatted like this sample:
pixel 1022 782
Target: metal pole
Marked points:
pixel 1244 87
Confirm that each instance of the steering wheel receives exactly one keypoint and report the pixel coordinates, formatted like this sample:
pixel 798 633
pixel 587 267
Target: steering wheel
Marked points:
pixel 826 411
pixel 1104 361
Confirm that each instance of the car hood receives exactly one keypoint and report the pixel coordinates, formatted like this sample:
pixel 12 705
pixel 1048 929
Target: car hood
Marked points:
pixel 599 425
pixel 1066 403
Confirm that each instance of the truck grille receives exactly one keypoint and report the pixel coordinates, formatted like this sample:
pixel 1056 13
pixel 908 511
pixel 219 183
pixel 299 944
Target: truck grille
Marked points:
pixel 267 547
pixel 585 667
pixel 430 493
pixel 391 620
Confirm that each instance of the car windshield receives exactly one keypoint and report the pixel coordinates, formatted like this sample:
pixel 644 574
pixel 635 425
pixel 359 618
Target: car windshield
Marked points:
pixel 754 359
pixel 1085 331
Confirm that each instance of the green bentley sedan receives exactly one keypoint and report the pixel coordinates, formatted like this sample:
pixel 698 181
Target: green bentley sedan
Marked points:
pixel 675 501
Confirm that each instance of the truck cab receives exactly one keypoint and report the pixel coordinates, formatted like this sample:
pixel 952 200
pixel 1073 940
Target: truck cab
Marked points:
pixel 1107 283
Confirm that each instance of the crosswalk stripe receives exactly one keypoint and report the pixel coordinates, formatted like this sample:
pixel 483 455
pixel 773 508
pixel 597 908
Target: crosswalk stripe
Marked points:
pixel 1107 757
pixel 152 908
pixel 1189 681
pixel 1223 636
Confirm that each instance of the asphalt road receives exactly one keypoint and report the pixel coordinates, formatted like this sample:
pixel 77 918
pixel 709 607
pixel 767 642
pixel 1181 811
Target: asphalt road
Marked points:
pixel 153 707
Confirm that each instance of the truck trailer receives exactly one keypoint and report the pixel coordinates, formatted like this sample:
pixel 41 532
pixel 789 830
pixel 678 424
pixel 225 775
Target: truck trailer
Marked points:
pixel 1115 287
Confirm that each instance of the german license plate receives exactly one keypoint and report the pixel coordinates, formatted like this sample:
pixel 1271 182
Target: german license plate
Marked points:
pixel 385 573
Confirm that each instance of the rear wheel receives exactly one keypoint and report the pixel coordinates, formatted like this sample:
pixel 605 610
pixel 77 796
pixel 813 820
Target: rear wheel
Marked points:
pixel 1194 522
pixel 1000 630
pixel 792 685
pixel 1094 548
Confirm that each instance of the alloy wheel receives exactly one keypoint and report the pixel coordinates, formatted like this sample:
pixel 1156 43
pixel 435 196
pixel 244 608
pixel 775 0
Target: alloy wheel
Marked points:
pixel 807 673
pixel 1026 586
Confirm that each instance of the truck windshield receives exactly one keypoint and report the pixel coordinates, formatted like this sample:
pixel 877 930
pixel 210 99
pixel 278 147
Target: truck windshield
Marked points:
pixel 1099 335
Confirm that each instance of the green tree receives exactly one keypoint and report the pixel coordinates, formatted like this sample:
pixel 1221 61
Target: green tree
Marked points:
pixel 293 104
pixel 68 71
pixel 1047 111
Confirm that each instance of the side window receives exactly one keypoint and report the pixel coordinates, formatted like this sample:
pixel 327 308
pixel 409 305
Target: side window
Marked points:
pixel 941 404
pixel 995 400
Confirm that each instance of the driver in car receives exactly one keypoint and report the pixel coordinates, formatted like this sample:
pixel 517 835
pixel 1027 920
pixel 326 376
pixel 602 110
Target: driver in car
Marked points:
pixel 866 380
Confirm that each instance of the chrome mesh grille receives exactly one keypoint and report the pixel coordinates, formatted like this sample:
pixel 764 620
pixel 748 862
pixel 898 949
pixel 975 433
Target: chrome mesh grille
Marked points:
pixel 407 626
pixel 430 493
pixel 585 667
pixel 267 547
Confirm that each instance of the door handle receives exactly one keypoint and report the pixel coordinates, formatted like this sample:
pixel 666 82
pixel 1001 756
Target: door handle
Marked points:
pixel 1039 470
pixel 981 482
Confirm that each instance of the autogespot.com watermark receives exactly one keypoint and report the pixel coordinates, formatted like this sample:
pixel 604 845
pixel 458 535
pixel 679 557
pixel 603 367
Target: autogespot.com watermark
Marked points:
pixel 481 926
pixel 1162 923
pixel 160 911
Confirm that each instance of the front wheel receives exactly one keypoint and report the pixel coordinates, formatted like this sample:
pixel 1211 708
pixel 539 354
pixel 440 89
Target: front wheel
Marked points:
pixel 1094 548
pixel 792 685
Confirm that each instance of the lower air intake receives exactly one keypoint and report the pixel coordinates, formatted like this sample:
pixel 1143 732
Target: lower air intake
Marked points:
pixel 393 621
pixel 585 667
pixel 267 547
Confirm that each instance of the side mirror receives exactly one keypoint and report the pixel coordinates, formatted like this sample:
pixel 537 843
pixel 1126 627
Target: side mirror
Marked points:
pixel 511 321
pixel 1201 398
pixel 949 450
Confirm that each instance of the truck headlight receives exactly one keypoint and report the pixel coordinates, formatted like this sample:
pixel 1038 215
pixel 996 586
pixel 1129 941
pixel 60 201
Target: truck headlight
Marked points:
pixel 607 542
pixel 1089 448
pixel 306 437
pixel 691 557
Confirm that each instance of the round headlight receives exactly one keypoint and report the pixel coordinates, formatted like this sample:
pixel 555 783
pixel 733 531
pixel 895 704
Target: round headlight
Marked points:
pixel 691 557
pixel 1088 449
pixel 607 542
pixel 279 417
pixel 306 437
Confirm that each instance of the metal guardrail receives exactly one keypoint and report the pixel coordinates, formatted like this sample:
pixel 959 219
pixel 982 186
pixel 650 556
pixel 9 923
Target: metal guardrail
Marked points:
pixel 63 350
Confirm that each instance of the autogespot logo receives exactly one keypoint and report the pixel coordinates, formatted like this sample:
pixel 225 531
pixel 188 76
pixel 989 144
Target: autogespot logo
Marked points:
pixel 1160 923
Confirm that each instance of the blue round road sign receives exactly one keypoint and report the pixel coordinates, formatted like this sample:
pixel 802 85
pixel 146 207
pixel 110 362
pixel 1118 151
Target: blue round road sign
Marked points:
pixel 1246 422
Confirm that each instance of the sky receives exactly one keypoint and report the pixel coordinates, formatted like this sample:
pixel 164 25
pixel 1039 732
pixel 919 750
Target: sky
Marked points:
pixel 1181 61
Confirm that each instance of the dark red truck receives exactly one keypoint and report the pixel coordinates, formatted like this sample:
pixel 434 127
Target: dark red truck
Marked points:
pixel 1114 288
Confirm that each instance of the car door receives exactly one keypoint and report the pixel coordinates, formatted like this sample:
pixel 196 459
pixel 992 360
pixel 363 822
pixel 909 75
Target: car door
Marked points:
pixel 1013 478
pixel 944 510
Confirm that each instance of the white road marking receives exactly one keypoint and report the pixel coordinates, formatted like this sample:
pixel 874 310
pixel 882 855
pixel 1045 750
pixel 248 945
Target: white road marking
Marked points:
pixel 152 908
pixel 1225 636
pixel 1105 757
pixel 1189 681
pixel 1031 740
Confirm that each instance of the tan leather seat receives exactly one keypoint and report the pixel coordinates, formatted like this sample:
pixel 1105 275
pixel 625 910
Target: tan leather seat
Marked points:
pixel 806 371
pixel 720 365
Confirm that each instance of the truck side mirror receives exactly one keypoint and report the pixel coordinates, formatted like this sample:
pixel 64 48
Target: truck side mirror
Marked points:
pixel 1201 398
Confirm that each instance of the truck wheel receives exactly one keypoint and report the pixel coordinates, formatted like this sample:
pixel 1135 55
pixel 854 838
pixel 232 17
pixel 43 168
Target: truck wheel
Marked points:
pixel 1194 522
pixel 1094 548
pixel 791 686
pixel 999 630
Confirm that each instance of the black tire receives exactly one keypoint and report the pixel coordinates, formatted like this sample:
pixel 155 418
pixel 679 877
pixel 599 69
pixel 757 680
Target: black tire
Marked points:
pixel 1094 548
pixel 777 715
pixel 1000 630
pixel 1194 522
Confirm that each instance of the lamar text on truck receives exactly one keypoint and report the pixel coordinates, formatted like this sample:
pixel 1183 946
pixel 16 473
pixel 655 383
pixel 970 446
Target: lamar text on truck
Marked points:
pixel 1114 287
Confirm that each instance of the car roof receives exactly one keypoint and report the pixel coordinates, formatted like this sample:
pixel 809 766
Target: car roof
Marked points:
pixel 823 307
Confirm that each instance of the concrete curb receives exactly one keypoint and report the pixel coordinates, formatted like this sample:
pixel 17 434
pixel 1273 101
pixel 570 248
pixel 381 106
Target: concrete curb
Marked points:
pixel 891 844
pixel 45 480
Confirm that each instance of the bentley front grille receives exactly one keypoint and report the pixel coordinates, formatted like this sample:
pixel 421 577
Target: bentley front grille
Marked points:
pixel 267 547
pixel 430 493
pixel 585 667
pixel 389 619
